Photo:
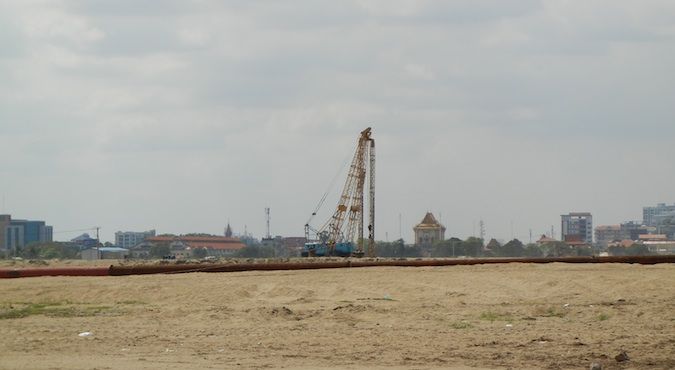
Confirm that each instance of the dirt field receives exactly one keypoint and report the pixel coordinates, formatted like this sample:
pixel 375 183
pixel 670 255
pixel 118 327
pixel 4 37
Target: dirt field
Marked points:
pixel 519 316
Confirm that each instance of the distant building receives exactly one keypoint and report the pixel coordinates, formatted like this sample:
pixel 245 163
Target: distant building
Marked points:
pixel 184 245
pixel 607 234
pixel 653 216
pixel 545 239
pixel 658 243
pixel 577 227
pixel 271 242
pixel 18 233
pixel 84 241
pixel 633 229
pixel 130 239
pixel 429 231
pixel 4 222
pixel 294 243
pixel 228 231
pixel 576 241
pixel 662 218
pixel 104 253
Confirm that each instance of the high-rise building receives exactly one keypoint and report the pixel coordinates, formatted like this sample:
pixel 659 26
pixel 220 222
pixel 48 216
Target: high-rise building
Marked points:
pixel 653 216
pixel 18 233
pixel 429 231
pixel 4 222
pixel 577 226
pixel 130 239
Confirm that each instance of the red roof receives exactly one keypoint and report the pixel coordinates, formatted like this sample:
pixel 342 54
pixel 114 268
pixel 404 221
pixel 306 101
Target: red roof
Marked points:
pixel 216 245
pixel 545 239
pixel 208 242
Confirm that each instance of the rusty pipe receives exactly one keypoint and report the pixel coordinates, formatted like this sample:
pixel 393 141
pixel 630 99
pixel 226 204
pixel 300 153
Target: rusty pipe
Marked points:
pixel 307 265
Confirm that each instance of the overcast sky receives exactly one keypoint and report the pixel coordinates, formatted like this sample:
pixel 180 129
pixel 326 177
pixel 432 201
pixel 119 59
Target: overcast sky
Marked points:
pixel 181 115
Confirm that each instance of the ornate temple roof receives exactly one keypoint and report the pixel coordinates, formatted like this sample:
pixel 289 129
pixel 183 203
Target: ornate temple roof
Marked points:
pixel 429 222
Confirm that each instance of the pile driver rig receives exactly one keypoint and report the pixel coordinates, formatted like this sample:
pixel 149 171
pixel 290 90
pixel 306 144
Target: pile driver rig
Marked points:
pixel 337 236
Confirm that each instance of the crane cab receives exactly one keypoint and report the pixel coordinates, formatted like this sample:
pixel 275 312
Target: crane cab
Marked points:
pixel 319 249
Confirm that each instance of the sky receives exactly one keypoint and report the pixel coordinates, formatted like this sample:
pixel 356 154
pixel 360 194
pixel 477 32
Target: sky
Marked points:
pixel 180 116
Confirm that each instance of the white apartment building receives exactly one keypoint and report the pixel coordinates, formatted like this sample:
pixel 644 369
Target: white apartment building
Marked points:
pixel 130 239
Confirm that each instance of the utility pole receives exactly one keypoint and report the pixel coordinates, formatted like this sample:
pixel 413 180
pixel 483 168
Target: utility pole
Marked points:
pixel 267 213
pixel 98 241
pixel 400 229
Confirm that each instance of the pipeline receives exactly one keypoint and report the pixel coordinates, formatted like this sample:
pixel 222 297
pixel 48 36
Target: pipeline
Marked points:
pixel 346 263
pixel 54 271
pixel 352 263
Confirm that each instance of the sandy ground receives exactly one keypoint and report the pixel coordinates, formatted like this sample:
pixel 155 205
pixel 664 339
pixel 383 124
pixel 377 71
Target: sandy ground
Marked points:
pixel 519 316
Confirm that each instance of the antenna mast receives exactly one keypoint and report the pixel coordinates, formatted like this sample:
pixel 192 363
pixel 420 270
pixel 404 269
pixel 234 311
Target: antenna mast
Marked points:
pixel 481 229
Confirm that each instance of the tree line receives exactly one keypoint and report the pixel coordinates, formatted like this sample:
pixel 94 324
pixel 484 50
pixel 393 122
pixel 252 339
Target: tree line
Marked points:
pixel 475 247
pixel 453 247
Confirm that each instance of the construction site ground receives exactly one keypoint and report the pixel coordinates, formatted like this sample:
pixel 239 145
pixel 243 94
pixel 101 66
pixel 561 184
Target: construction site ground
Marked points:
pixel 519 316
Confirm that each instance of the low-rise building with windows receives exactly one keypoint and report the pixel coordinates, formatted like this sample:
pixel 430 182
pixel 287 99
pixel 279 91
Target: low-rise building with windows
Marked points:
pixel 130 239
pixel 183 246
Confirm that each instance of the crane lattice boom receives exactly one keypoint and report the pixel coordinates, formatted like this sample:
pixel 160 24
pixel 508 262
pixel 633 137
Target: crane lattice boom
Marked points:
pixel 350 207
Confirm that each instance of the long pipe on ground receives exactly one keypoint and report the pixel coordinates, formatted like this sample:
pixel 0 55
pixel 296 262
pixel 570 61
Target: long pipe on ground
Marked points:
pixel 54 271
pixel 313 265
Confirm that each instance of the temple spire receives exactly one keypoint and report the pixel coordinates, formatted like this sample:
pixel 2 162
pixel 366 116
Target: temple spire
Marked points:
pixel 228 230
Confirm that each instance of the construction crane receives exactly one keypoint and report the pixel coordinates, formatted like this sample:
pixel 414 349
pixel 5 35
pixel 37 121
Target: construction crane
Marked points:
pixel 337 236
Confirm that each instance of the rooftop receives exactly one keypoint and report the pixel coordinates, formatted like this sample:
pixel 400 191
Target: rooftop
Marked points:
pixel 208 242
pixel 429 221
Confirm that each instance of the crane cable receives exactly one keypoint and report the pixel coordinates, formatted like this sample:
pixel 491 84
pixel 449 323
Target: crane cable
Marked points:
pixel 331 185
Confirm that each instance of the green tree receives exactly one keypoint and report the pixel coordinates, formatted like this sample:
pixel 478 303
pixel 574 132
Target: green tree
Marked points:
pixel 533 250
pixel 583 251
pixel 448 248
pixel 49 250
pixel 556 249
pixel 514 248
pixel 390 249
pixel 637 249
pixel 472 246
pixel 491 248
pixel 199 252
pixel 29 251
pixel 159 250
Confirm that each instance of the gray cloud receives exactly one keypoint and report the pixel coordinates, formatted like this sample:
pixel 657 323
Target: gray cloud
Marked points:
pixel 179 116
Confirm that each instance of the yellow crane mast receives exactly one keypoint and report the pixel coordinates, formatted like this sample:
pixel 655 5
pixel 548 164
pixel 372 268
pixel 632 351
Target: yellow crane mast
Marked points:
pixel 337 235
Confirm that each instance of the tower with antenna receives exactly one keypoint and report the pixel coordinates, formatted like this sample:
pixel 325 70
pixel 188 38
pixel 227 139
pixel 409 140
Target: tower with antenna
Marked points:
pixel 268 240
pixel 481 229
